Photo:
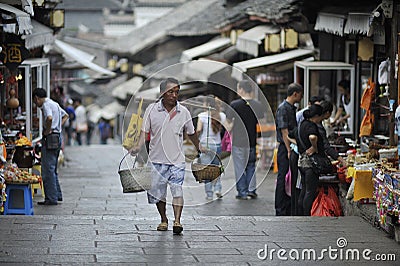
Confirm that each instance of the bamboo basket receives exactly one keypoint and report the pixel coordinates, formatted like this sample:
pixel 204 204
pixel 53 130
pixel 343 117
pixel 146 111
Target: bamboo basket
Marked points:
pixel 135 179
pixel 206 172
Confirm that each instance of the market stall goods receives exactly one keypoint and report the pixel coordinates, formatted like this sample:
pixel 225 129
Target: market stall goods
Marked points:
pixel 12 174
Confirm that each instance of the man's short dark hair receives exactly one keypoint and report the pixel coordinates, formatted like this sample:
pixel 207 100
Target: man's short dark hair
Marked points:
pixel 246 86
pixel 294 87
pixel 316 98
pixel 39 92
pixel 163 84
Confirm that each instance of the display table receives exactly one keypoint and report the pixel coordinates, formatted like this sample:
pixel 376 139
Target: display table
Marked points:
pixel 363 184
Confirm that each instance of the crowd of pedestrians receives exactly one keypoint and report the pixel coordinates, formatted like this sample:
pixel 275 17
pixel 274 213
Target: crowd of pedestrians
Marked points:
pixel 79 129
pixel 167 122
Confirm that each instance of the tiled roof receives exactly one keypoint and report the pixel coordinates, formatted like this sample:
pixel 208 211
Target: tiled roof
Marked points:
pixel 216 16
pixel 156 30
pixel 271 10
pixel 158 65
pixel 84 5
pixel 202 23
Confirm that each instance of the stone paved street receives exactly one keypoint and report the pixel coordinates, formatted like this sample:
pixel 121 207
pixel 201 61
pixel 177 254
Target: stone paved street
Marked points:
pixel 98 224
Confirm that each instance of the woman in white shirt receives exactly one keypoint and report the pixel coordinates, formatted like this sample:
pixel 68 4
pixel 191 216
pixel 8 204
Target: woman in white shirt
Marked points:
pixel 209 126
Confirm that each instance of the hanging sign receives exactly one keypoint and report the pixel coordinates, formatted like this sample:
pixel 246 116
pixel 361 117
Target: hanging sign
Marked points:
pixel 13 52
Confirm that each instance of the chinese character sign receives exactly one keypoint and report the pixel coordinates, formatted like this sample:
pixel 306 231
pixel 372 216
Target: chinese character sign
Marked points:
pixel 13 52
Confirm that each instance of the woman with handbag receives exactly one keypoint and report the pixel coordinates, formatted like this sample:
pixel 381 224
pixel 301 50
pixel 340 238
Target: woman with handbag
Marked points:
pixel 209 126
pixel 310 143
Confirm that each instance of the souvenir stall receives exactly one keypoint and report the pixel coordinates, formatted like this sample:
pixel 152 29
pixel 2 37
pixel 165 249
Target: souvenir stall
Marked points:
pixel 21 126
pixel 372 173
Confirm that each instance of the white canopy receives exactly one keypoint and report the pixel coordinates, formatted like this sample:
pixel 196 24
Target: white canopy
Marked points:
pixel 81 57
pixel 205 49
pixel 242 67
pixel 129 87
pixel 250 40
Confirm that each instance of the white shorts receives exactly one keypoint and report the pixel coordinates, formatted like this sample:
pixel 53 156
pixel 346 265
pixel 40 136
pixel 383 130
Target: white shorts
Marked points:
pixel 162 175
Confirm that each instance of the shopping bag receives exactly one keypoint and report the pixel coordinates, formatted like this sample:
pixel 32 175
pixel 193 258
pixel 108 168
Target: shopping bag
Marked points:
pixel 322 205
pixel 335 201
pixel 326 205
pixel 226 142
pixel 288 183
pixel 133 132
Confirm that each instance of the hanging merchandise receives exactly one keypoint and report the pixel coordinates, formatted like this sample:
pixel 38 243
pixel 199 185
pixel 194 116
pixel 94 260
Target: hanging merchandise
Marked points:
pixel 368 95
pixel 384 70
pixel 367 124
pixel 387 196
pixel 366 100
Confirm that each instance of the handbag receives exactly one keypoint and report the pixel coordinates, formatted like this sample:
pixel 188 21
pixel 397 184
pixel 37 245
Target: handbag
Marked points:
pixel 52 141
pixel 81 127
pixel 321 163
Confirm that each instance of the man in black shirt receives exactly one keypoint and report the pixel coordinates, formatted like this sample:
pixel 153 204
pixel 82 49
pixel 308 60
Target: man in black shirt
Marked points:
pixel 244 114
pixel 285 122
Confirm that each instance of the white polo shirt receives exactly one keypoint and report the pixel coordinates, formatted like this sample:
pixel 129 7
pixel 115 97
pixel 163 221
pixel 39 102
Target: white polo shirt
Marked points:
pixel 53 109
pixel 166 132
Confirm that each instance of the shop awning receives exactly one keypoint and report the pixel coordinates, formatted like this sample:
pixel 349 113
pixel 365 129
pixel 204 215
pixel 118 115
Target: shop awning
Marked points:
pixel 23 20
pixel 250 40
pixel 129 87
pixel 148 94
pixel 26 5
pixel 345 20
pixel 205 49
pixel 111 110
pixel 201 70
pixel 81 57
pixel 330 23
pixel 93 112
pixel 358 23
pixel 41 35
pixel 242 67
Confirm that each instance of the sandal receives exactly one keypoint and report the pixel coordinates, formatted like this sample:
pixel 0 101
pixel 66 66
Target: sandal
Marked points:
pixel 177 228
pixel 163 226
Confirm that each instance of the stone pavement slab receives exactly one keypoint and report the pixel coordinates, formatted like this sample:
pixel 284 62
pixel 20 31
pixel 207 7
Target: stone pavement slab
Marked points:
pixel 98 224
